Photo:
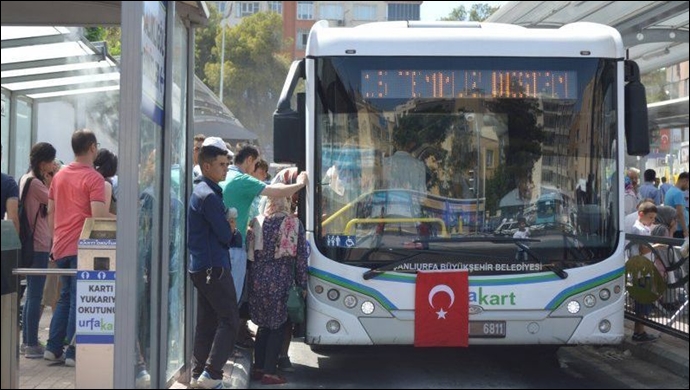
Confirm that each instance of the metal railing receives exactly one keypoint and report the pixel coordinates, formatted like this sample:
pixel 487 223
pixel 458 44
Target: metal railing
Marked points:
pixel 668 313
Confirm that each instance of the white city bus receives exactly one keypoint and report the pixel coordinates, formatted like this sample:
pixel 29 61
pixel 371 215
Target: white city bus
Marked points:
pixel 414 133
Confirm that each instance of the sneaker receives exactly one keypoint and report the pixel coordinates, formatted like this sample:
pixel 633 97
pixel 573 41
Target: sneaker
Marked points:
pixel 70 362
pixel 206 382
pixel 193 383
pixel 143 380
pixel 51 356
pixel 22 349
pixel 34 352
pixel 284 364
pixel 643 337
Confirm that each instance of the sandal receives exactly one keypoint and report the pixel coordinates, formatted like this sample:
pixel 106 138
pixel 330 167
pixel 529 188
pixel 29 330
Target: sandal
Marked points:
pixel 268 379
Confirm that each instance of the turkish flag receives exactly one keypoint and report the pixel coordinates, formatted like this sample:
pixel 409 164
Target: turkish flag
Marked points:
pixel 441 309
pixel 665 140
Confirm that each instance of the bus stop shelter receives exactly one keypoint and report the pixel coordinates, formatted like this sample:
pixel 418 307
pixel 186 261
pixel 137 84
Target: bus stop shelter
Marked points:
pixel 153 126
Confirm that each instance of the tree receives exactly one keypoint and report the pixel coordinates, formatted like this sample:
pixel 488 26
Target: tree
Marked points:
pixel 254 71
pixel 477 13
pixel 111 36
pixel 206 49
pixel 656 85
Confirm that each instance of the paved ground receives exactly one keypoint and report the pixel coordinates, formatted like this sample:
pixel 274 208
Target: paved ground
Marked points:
pixel 668 351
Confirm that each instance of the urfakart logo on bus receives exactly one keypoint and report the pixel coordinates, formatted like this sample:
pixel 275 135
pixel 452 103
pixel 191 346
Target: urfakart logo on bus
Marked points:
pixel 482 299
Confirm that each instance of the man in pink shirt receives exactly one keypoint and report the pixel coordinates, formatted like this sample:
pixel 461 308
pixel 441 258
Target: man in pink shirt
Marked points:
pixel 76 193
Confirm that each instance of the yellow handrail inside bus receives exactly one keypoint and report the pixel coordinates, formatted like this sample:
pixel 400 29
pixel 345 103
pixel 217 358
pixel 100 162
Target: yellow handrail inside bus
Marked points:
pixel 353 222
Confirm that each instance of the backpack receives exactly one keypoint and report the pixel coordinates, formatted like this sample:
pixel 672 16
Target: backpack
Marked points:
pixel 26 234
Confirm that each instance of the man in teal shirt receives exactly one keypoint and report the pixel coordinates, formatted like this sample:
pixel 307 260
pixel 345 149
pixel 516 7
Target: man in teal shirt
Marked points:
pixel 239 190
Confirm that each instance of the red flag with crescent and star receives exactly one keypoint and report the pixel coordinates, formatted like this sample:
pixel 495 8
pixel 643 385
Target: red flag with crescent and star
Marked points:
pixel 441 309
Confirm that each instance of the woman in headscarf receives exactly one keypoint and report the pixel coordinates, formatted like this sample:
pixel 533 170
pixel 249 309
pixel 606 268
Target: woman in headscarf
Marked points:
pixel 277 242
pixel 665 225
pixel 630 198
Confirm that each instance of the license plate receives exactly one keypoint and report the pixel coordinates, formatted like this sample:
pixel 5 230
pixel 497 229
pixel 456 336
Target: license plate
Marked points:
pixel 487 329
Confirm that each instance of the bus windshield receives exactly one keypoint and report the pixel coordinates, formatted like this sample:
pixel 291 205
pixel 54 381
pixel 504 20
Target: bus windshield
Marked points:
pixel 449 157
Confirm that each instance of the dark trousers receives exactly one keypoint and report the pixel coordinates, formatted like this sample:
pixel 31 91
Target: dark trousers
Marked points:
pixel 217 322
pixel 267 347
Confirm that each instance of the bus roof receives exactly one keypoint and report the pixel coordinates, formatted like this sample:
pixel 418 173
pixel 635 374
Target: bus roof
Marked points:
pixel 579 40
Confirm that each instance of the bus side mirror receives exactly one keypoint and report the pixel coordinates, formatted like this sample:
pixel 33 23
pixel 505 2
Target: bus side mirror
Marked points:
pixel 289 136
pixel 636 122
pixel 288 125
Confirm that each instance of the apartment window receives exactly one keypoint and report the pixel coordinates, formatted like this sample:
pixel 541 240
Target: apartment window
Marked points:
pixel 222 5
pixel 276 6
pixel 305 10
pixel 489 158
pixel 364 12
pixel 331 11
pixel 403 11
pixel 301 40
pixel 247 8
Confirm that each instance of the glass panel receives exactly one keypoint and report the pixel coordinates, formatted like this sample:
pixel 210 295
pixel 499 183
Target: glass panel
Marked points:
pixel 22 144
pixel 176 288
pixel 364 12
pixel 151 173
pixel 5 132
pixel 305 10
pixel 449 153
pixel 331 11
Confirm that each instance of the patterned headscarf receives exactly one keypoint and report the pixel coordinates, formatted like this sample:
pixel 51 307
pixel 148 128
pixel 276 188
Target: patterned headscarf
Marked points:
pixel 286 244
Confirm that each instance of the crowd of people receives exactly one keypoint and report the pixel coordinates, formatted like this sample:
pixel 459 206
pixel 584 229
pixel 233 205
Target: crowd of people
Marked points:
pixel 654 209
pixel 243 259
pixel 56 200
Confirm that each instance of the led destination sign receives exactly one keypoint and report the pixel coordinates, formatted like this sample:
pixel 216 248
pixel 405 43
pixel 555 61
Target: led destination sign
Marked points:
pixel 449 83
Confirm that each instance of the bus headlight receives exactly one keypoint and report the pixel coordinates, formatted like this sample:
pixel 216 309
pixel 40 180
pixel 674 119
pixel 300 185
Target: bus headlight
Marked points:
pixel 367 307
pixel 605 294
pixel 333 294
pixel 589 300
pixel 604 326
pixel 333 326
pixel 573 307
pixel 350 301
pixel 318 289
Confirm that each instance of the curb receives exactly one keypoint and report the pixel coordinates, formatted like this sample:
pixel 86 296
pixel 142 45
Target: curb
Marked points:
pixel 660 354
pixel 239 372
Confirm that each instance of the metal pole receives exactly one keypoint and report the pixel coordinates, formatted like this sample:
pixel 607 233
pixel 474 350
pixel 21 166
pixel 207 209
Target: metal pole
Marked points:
pixel 476 176
pixel 222 60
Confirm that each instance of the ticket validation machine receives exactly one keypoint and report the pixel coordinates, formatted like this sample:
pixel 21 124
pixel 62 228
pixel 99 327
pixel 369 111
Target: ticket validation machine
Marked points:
pixel 95 325
pixel 11 248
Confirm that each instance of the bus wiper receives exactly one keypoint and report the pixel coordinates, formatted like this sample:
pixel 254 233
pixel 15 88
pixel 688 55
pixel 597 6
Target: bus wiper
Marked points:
pixel 475 239
pixel 519 242
pixel 376 271
pixel 555 268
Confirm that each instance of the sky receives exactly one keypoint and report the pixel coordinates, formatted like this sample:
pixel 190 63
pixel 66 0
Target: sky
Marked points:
pixel 434 10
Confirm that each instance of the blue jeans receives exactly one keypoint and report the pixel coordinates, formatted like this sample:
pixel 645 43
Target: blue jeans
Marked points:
pixel 32 306
pixel 238 269
pixel 63 324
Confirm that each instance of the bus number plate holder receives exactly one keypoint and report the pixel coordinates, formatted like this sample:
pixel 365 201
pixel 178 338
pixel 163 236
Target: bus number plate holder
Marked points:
pixel 487 329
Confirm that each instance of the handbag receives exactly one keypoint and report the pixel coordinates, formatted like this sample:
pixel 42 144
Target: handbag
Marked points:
pixel 26 234
pixel 295 302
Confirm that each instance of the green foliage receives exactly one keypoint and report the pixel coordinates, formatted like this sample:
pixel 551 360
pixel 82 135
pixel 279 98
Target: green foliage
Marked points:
pixel 111 35
pixel 476 13
pixel 94 34
pixel 206 49
pixel 254 71
pixel 655 84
